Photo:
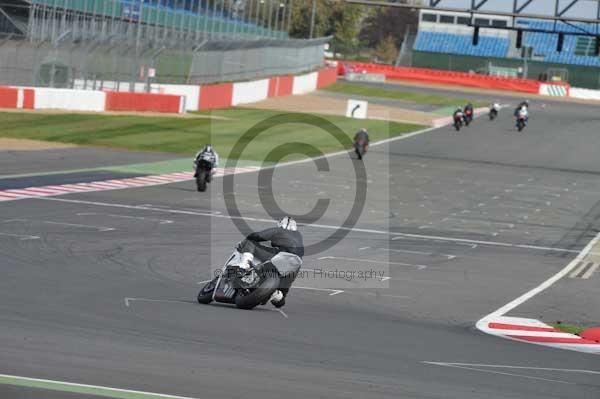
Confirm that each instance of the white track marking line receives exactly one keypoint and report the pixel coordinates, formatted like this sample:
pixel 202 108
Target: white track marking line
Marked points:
pixel 280 312
pixel 396 235
pixel 483 370
pixel 406 251
pixel 99 228
pixel 420 267
pixel 160 221
pixel 128 300
pixel 20 236
pixel 333 292
pixel 590 271
pixel 504 366
pixel 578 270
pixel 103 390
pixel 482 324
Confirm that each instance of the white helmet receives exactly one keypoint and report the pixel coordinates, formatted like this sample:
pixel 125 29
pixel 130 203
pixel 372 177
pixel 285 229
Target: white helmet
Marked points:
pixel 287 223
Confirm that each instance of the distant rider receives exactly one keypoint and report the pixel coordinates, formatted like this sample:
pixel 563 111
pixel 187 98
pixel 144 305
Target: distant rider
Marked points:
pixel 209 154
pixel 494 109
pixel 523 104
pixel 468 111
pixel 362 136
pixel 458 114
pixel 283 238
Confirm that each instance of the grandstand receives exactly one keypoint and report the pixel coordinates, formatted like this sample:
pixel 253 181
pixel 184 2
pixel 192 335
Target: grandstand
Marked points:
pixel 451 34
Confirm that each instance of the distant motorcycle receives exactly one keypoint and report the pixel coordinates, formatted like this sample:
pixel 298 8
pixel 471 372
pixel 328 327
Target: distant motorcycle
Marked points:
pixel 521 122
pixel 458 121
pixel 493 114
pixel 468 116
pixel 360 148
pixel 249 288
pixel 203 172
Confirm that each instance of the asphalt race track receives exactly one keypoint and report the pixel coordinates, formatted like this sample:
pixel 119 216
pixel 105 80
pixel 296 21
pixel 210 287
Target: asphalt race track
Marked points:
pixel 459 223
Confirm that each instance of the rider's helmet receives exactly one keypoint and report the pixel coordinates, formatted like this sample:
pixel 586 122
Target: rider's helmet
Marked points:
pixel 287 223
pixel 208 148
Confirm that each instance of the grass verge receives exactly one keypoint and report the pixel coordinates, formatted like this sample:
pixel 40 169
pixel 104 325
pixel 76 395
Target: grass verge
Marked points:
pixel 419 98
pixel 185 135
pixel 569 328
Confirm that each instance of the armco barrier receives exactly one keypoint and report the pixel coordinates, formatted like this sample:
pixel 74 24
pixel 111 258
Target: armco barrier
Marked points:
pixel 144 102
pixel 68 99
pixel 280 86
pixel 445 77
pixel 8 97
pixel 216 96
pixel 250 92
pixel 584 94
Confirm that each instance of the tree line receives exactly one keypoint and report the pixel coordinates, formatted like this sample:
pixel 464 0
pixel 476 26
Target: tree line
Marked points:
pixel 358 31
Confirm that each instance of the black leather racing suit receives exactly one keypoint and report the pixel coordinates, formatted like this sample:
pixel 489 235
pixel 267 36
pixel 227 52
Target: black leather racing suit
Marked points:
pixel 281 240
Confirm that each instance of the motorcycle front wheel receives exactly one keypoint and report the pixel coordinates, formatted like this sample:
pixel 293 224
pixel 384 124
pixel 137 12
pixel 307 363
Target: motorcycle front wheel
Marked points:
pixel 201 180
pixel 260 294
pixel 206 293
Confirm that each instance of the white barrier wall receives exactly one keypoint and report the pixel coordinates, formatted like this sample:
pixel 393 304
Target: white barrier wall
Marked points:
pixel 191 94
pixel 586 94
pixel 250 92
pixel 305 83
pixel 68 99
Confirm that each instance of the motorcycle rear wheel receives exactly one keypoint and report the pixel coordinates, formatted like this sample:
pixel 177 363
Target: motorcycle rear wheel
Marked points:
pixel 259 295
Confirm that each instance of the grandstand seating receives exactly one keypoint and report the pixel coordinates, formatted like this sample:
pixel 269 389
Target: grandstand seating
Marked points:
pixel 437 42
pixel 577 50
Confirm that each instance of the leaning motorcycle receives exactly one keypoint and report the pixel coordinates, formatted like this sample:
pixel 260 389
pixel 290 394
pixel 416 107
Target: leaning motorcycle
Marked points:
pixel 203 172
pixel 252 287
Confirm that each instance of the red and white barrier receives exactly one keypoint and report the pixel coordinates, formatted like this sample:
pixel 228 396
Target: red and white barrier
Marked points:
pixel 189 92
pixel 144 102
pixel 71 100
pixel 280 86
pixel 304 84
pixel 164 97
pixel 250 92
pixel 216 96
pixel 584 94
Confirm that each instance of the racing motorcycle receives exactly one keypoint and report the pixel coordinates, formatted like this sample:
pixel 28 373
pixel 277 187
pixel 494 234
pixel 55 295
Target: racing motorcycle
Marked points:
pixel 203 171
pixel 493 114
pixel 468 116
pixel 252 287
pixel 458 120
pixel 360 147
pixel 521 121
